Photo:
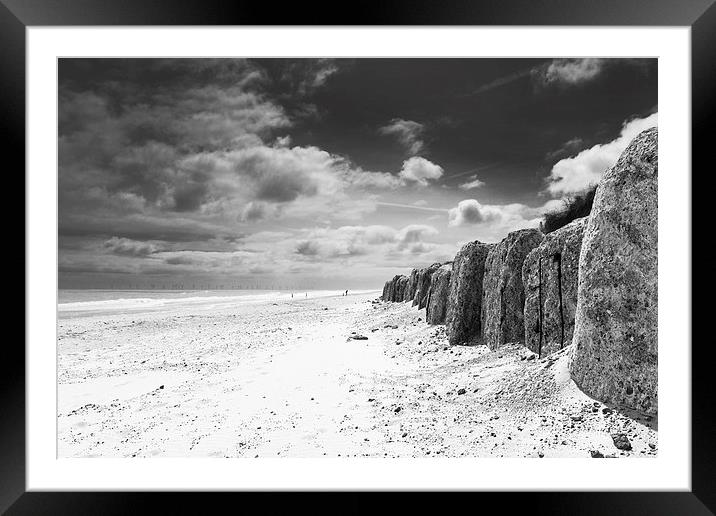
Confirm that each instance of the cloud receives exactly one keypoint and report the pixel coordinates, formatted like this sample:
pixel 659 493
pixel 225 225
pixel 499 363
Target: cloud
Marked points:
pixel 414 233
pixel 502 81
pixel 568 148
pixel 264 177
pixel 372 242
pixel 571 175
pixel 307 248
pixel 128 247
pixel 470 185
pixel 253 211
pixel 470 212
pixel 303 77
pixel 407 132
pixel 571 72
pixel 420 171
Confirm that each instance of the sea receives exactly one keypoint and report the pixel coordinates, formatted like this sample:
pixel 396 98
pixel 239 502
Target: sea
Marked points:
pixel 95 300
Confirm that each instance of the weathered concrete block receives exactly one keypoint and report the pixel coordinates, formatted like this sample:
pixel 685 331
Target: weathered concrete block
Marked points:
pixel 503 295
pixel 412 285
pixel 424 277
pixel 436 307
pixel 463 318
pixel 386 289
pixel 614 357
pixel 418 277
pixel 549 276
pixel 400 287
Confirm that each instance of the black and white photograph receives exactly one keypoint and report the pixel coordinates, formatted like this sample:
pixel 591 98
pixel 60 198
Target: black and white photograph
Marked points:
pixel 357 257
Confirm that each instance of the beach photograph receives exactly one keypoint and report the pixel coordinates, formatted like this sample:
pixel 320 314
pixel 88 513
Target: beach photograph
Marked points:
pixel 357 258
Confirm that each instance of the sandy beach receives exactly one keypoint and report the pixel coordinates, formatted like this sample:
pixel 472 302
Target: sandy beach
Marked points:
pixel 275 376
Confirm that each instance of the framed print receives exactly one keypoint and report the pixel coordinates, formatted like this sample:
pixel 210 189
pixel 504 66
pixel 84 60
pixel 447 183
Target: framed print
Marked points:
pixel 426 248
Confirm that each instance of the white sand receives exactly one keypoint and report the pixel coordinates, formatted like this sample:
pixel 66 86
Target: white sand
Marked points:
pixel 275 376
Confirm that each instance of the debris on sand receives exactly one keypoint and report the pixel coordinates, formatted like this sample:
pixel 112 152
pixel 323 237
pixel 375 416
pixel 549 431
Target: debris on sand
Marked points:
pixel 621 441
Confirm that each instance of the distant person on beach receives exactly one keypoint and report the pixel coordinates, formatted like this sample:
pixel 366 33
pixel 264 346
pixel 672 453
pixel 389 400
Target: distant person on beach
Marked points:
pixel 346 292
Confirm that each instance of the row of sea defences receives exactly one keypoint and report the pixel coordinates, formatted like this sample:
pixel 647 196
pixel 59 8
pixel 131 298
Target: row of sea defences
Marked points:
pixel 591 284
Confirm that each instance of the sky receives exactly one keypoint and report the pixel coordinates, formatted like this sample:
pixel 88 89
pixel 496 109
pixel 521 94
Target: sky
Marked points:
pixel 323 173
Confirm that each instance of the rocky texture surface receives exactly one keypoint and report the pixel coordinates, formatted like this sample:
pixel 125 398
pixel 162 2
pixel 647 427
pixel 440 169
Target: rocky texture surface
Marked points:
pixel 549 275
pixel 614 357
pixel 386 289
pixel 391 288
pixel 465 299
pixel 401 286
pixel 503 295
pixel 412 285
pixel 424 277
pixel 436 307
pixel 416 293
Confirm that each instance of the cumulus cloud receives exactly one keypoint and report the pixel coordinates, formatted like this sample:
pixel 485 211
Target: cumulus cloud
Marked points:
pixel 468 212
pixel 420 171
pixel 572 71
pixel 472 184
pixel 408 133
pixel 266 176
pixel 571 175
pixel 414 233
pixel 374 241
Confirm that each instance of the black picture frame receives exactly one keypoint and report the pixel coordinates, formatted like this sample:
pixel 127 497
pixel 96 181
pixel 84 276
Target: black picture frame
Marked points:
pixel 700 15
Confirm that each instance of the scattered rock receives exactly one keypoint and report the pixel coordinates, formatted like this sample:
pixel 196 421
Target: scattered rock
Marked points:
pixel 461 391
pixel 596 454
pixel 357 336
pixel 621 441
